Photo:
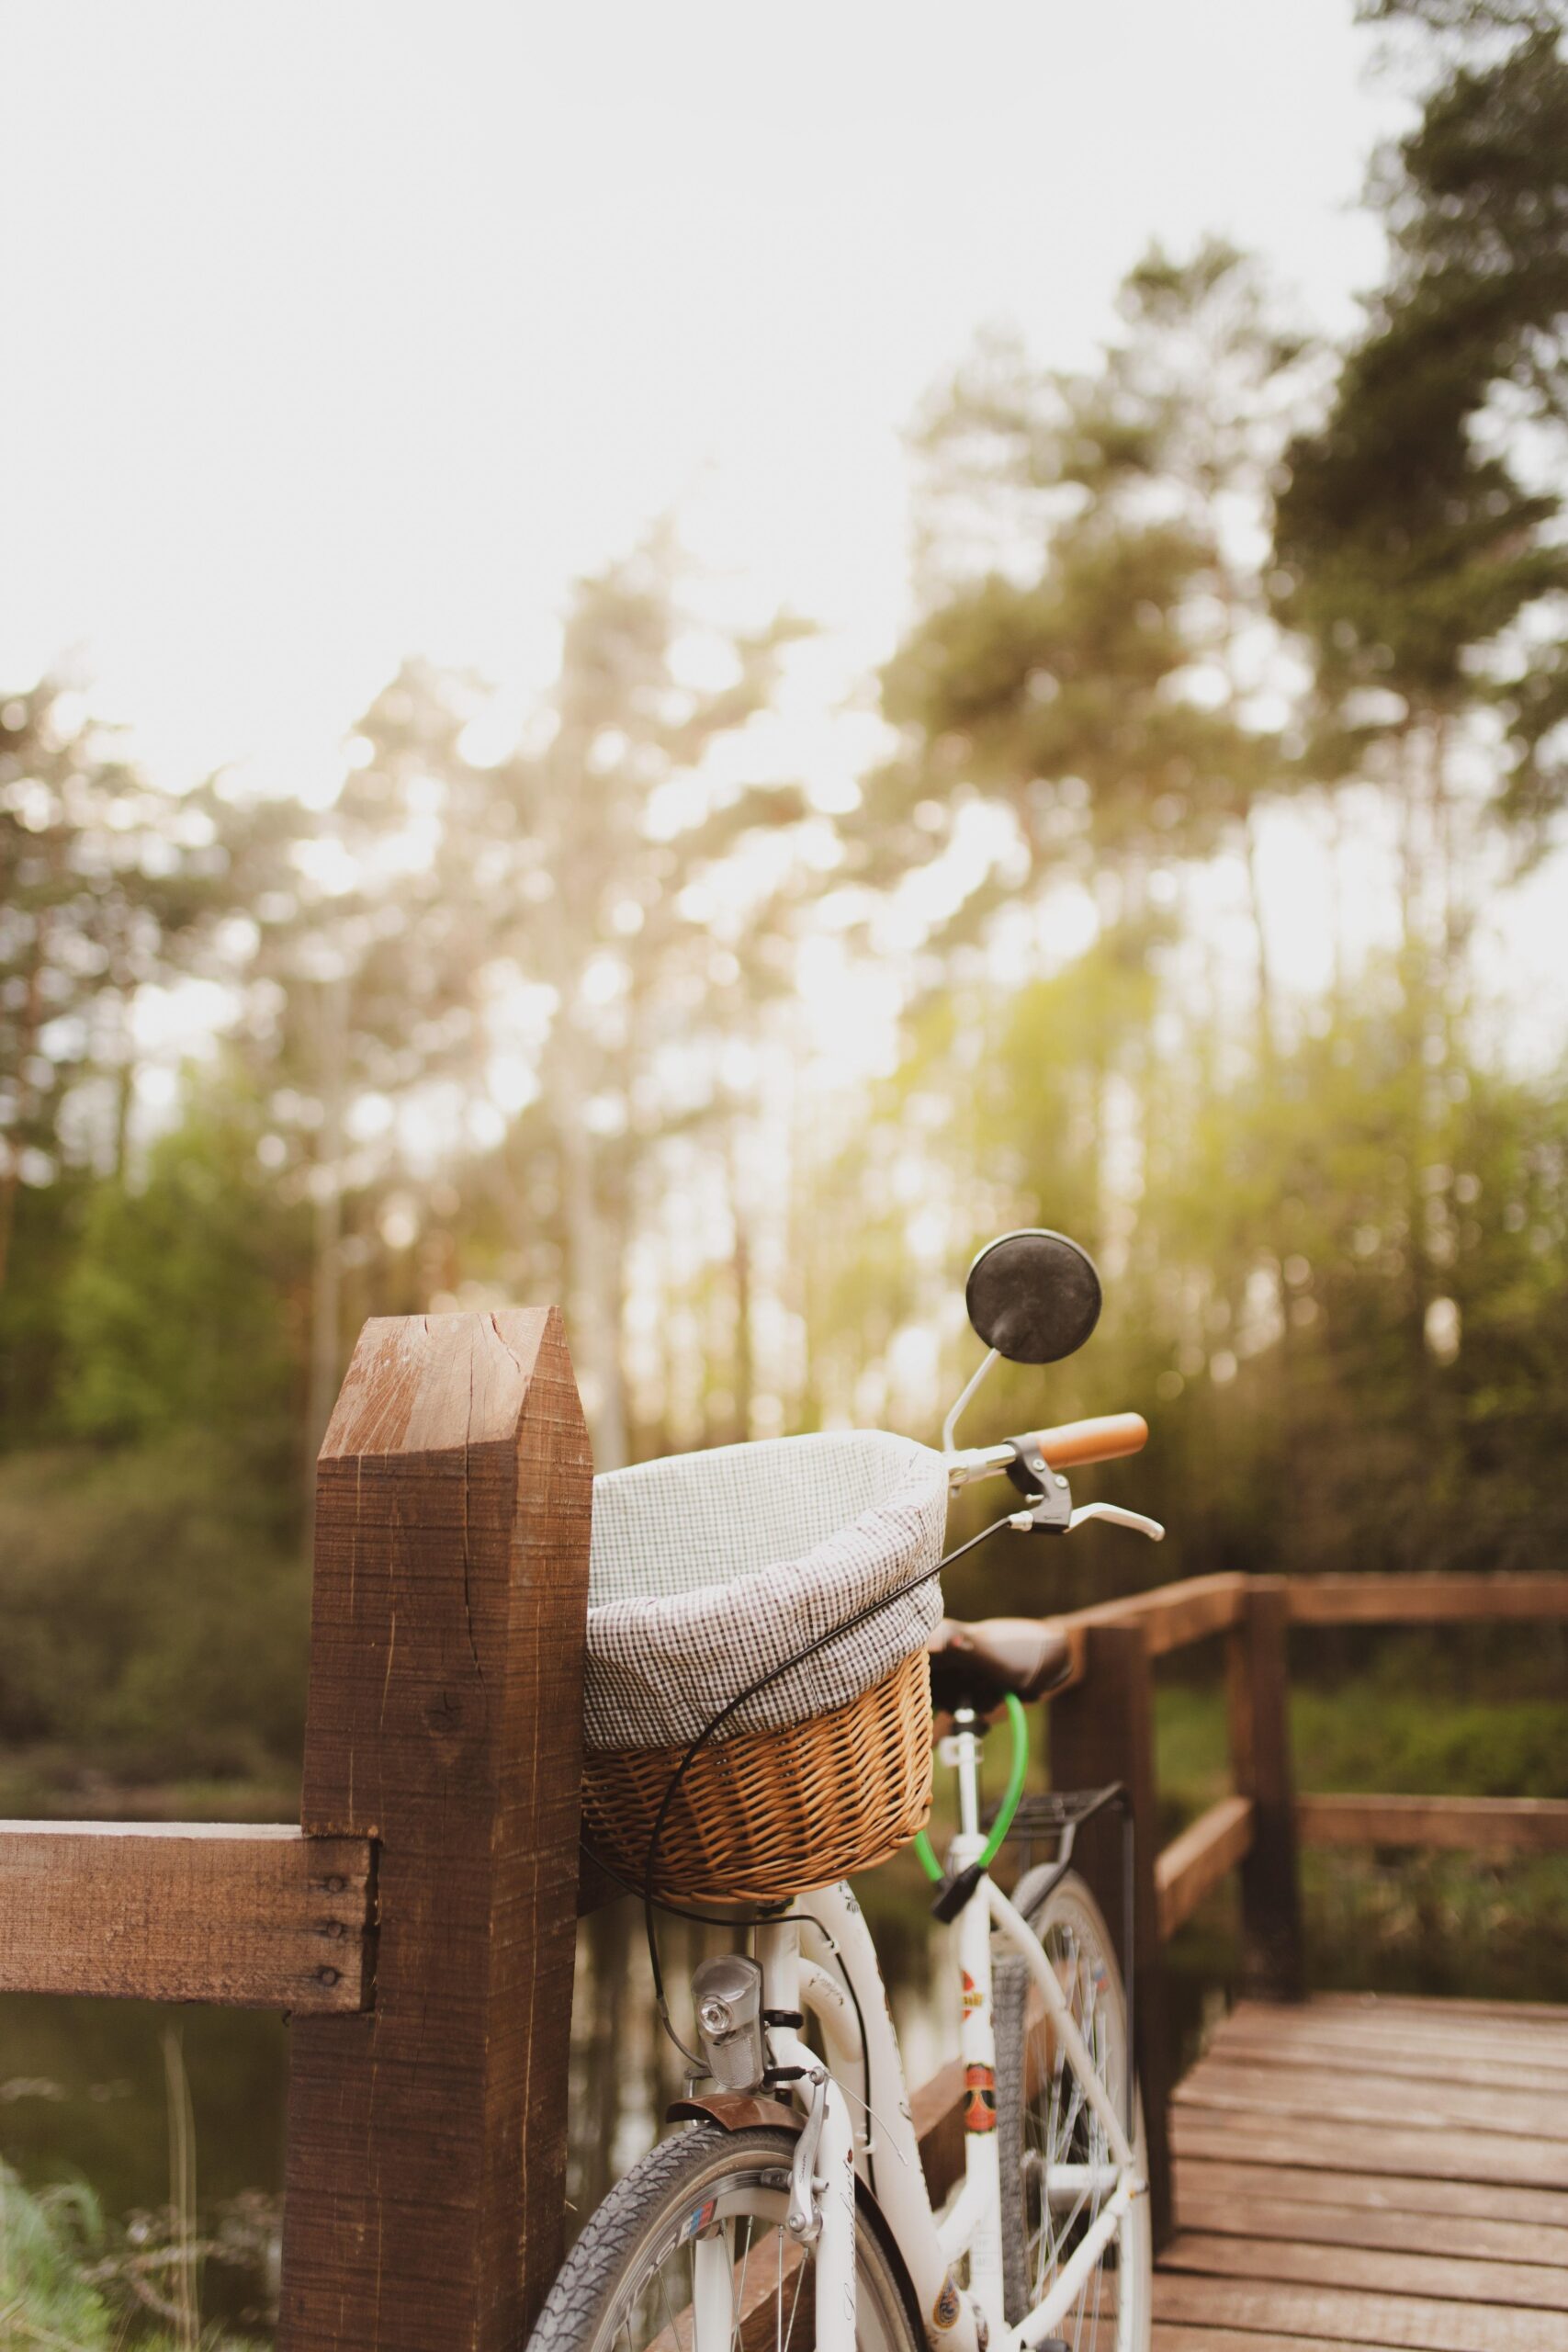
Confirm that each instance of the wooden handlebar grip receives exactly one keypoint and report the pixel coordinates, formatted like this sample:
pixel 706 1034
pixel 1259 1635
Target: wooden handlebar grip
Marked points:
pixel 1105 1439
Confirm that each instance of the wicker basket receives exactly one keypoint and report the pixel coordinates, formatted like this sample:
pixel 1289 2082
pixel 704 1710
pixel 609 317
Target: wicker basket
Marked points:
pixel 766 1815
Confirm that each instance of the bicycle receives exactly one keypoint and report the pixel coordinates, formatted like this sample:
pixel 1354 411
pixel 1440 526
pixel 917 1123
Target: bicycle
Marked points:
pixel 790 2209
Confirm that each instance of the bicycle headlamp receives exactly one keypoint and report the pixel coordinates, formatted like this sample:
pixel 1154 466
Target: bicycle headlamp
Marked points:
pixel 728 1996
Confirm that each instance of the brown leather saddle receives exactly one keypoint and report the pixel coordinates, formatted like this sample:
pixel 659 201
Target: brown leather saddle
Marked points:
pixel 976 1666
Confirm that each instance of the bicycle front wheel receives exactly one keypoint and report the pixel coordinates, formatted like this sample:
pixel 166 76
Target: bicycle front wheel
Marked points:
pixel 1056 2165
pixel 689 2250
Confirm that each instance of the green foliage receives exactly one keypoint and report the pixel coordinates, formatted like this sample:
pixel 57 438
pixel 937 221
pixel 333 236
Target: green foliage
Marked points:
pixel 181 1308
pixel 71 2281
pixel 45 1237
pixel 1415 551
pixel 1085 661
pixel 154 1625
pixel 47 2243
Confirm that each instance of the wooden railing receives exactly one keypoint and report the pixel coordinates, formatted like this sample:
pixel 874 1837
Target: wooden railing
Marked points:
pixel 1101 1729
pixel 419 1924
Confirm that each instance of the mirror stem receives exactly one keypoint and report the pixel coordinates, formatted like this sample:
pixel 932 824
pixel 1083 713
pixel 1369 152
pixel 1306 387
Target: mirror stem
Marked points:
pixel 951 1424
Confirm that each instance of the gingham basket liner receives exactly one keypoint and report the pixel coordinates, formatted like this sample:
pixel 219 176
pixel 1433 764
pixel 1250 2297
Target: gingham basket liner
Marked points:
pixel 707 1569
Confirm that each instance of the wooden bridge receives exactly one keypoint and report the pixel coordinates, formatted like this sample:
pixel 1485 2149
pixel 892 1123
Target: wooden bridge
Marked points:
pixel 1347 2170
pixel 1332 2173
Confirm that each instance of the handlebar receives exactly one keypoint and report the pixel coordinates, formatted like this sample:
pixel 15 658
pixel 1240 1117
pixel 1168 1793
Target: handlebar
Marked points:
pixel 1105 1437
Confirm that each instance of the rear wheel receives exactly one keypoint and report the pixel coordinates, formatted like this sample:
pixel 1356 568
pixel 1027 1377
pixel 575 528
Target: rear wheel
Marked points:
pixel 1055 2158
pixel 707 2210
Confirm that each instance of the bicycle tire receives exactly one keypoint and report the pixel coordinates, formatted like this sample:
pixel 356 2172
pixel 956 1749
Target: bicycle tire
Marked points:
pixel 1069 1925
pixel 601 2297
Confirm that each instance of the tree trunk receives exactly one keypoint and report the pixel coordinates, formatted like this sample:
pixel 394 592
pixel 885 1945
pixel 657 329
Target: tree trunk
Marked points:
pixel 1264 979
pixel 16 1144
pixel 744 1379
pixel 593 1333
pixel 326 1266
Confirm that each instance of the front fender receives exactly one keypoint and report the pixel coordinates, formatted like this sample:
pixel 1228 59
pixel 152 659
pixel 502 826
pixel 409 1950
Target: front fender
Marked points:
pixel 736 2111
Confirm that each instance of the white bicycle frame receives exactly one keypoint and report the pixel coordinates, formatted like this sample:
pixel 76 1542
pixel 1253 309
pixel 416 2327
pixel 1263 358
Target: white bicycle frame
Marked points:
pixel 822 1961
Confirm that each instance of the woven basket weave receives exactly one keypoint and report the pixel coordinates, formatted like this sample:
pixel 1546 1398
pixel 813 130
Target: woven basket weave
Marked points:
pixel 766 1815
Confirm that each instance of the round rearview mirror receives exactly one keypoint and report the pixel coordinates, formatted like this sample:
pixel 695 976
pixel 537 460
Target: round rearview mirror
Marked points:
pixel 1034 1297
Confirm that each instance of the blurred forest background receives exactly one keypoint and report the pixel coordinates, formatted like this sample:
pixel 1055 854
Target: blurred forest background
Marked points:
pixel 584 1014
pixel 594 1008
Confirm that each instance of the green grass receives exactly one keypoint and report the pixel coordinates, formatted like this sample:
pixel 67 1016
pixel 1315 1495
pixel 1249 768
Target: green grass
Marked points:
pixel 71 2283
pixel 1382 1919
pixel 1366 1735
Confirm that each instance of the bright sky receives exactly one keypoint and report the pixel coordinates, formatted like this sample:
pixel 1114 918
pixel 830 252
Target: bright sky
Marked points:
pixel 334 333
pixel 337 331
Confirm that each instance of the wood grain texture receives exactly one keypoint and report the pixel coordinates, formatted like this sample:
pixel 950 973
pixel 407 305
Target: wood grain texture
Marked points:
pixel 1322 2203
pixel 1102 1730
pixel 1424 1599
pixel 1399 2041
pixel 1437 2202
pixel 1392 2147
pixel 1352 2097
pixel 1393 2064
pixel 1257 1696
pixel 1173 2338
pixel 1174 1615
pixel 1460 2278
pixel 1479 1825
pixel 252 1918
pixel 1443 2013
pixel 1356 2315
pixel 1253 2212
pixel 425 2156
pixel 1200 1857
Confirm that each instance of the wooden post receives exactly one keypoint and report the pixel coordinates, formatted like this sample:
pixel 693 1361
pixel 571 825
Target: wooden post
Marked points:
pixel 427 2139
pixel 1102 1729
pixel 1259 1692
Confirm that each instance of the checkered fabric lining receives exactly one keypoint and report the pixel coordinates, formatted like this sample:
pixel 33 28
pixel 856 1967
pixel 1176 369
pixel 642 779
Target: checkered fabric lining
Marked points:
pixel 707 1569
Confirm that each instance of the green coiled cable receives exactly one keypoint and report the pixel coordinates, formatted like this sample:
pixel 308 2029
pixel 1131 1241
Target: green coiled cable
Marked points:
pixel 1018 1772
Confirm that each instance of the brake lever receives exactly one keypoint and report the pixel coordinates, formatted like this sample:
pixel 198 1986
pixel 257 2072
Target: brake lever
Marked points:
pixel 1119 1518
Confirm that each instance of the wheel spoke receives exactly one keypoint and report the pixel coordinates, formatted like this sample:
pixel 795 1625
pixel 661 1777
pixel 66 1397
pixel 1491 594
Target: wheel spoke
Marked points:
pixel 1058 2170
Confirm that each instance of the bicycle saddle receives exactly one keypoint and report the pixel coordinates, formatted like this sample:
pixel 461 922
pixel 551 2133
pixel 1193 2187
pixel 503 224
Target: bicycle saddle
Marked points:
pixel 976 1666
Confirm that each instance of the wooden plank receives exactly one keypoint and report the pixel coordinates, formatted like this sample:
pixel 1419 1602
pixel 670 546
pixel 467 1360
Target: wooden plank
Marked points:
pixel 1309 2141
pixel 251 1918
pixel 1478 2069
pixel 1352 2097
pixel 1355 2315
pixel 1460 2278
pixel 1253 2210
pixel 1425 1599
pixel 1198 1858
pixel 1101 1731
pixel 1515 2040
pixel 1257 1692
pixel 1479 1825
pixel 1439 2010
pixel 937 2110
pixel 1173 1615
pixel 1440 2203
pixel 426 2142
pixel 1168 2338
pixel 1521 2040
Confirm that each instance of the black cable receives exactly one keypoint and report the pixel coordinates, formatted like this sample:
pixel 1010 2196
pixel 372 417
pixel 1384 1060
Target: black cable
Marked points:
pixel 848 1984
pixel 651 1902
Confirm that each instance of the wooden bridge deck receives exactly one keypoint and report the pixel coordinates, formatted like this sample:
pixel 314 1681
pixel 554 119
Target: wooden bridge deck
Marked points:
pixel 1372 2172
